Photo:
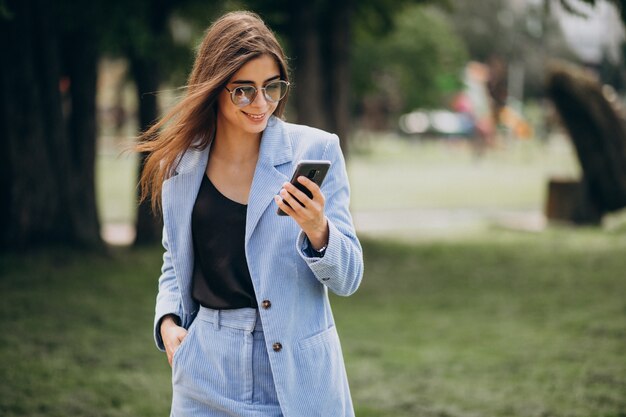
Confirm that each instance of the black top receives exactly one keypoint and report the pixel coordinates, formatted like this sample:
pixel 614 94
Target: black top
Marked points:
pixel 221 279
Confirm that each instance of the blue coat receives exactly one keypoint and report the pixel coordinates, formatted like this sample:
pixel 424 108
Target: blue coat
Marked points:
pixel 308 372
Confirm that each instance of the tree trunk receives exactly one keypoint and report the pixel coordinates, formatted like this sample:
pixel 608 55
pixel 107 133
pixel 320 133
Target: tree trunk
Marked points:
pixel 320 36
pixel 42 181
pixel 146 71
pixel 32 130
pixel 567 201
pixel 146 75
pixel 81 63
pixel 338 70
pixel 309 79
pixel 597 131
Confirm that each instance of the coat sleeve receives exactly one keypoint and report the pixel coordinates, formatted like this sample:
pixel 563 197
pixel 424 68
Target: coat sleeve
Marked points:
pixel 168 299
pixel 341 267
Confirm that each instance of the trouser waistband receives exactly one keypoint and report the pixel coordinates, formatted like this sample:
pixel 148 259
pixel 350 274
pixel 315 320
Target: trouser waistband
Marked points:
pixel 241 318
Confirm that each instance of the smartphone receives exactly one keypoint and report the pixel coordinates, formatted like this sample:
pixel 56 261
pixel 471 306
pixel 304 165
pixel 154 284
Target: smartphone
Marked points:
pixel 315 170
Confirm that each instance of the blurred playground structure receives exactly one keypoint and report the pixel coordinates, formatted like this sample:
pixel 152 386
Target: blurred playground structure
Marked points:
pixel 472 113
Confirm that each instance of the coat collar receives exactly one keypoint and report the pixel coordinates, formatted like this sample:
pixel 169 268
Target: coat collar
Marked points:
pixel 180 191
pixel 275 151
pixel 275 143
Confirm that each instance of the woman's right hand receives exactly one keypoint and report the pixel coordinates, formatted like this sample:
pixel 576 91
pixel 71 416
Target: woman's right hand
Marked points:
pixel 172 335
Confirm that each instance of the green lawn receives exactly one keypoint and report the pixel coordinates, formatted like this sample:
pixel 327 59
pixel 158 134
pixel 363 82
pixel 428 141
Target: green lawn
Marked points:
pixel 487 323
pixel 116 182
pixel 496 324
pixel 387 172
pixel 502 324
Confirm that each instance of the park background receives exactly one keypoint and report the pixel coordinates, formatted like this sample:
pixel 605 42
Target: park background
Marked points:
pixel 474 302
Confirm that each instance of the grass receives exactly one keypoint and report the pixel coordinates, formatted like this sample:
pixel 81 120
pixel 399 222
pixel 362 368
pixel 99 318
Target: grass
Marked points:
pixel 497 324
pixel 76 340
pixel 488 323
pixel 116 180
pixel 388 173
pixel 504 324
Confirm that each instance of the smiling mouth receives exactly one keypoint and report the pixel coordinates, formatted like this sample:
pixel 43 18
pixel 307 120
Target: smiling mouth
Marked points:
pixel 255 117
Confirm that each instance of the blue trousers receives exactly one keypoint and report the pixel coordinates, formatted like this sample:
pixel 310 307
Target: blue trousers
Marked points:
pixel 222 368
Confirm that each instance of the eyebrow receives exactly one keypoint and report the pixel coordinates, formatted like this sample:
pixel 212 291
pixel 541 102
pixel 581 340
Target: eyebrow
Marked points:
pixel 275 77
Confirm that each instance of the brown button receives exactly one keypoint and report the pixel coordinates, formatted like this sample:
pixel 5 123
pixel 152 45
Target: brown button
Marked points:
pixel 277 347
pixel 266 304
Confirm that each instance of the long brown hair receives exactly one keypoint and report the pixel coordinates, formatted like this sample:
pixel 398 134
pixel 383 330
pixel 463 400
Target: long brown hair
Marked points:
pixel 229 43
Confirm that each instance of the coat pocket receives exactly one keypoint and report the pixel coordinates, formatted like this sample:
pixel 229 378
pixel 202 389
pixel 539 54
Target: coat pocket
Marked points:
pixel 328 336
pixel 321 376
pixel 186 341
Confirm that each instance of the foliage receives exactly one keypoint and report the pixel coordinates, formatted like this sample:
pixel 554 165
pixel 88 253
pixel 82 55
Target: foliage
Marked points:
pixel 416 64
pixel 570 6
pixel 151 30
pixel 525 36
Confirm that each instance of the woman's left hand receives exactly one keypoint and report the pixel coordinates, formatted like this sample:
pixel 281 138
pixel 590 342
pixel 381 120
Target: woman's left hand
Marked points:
pixel 307 212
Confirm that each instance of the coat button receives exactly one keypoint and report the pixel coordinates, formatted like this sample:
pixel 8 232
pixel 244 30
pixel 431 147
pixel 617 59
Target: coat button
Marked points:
pixel 266 304
pixel 277 347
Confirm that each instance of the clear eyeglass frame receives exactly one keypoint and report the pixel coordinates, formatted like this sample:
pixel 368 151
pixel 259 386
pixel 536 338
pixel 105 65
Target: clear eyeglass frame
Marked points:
pixel 274 91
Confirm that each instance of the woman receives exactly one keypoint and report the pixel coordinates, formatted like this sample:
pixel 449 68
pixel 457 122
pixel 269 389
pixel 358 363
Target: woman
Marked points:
pixel 242 309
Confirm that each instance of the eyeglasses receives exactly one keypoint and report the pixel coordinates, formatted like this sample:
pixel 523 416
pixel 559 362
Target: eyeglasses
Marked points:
pixel 273 92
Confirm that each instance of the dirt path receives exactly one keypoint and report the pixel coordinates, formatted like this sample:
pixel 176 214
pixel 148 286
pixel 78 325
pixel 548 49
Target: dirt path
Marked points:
pixel 444 220
pixel 403 222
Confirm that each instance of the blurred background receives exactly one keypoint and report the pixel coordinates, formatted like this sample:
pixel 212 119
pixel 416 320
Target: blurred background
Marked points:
pixel 486 149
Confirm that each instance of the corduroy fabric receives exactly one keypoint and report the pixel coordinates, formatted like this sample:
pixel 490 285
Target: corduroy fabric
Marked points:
pixel 222 368
pixel 308 370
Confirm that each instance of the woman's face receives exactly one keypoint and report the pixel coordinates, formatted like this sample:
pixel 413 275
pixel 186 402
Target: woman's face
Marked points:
pixel 252 118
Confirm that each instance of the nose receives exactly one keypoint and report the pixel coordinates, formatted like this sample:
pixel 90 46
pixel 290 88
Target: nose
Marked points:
pixel 260 99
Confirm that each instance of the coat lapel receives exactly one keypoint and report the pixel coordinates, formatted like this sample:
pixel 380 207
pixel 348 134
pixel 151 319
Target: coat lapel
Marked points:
pixel 179 195
pixel 180 192
pixel 268 179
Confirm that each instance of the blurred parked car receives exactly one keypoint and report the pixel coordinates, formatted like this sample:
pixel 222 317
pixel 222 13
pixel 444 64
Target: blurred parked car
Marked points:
pixel 437 123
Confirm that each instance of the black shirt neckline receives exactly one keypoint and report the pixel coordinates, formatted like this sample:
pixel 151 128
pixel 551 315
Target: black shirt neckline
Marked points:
pixel 215 190
pixel 221 279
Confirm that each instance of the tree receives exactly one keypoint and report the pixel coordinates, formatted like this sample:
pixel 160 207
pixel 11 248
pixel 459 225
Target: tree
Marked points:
pixel 48 115
pixel 597 129
pixel 48 135
pixel 47 101
pixel 141 32
pixel 416 64
pixel 521 38
pixel 320 38
pixel 598 133
pixel 571 6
